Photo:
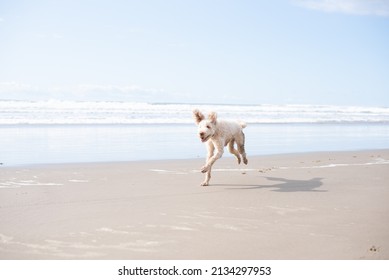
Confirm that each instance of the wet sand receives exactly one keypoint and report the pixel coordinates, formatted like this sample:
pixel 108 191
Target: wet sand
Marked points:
pixel 324 205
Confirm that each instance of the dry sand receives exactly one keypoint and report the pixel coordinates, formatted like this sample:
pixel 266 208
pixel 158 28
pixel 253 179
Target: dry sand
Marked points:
pixel 298 206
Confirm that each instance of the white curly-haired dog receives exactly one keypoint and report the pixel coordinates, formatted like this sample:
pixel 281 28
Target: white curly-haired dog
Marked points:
pixel 218 134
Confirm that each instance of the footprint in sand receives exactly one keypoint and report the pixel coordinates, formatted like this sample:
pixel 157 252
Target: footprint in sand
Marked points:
pixel 264 170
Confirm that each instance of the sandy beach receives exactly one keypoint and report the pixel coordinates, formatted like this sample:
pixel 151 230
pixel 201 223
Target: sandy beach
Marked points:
pixel 324 205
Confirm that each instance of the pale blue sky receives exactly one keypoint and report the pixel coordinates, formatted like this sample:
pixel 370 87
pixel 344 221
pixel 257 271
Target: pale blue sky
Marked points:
pixel 214 51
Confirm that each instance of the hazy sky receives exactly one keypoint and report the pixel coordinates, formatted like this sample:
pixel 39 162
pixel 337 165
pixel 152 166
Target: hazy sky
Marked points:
pixel 208 51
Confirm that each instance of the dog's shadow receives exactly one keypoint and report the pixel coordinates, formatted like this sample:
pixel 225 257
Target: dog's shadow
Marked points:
pixel 286 185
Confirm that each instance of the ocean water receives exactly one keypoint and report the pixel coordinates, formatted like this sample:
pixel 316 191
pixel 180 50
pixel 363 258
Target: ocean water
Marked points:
pixel 74 132
pixel 73 112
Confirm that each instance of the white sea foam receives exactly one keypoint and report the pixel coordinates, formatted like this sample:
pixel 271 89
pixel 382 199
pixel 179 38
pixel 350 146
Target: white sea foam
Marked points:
pixel 75 112
pixel 162 171
pixel 379 161
pixel 78 181
pixel 24 183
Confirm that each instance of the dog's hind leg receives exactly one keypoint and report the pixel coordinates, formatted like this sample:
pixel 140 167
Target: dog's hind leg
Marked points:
pixel 241 148
pixel 233 151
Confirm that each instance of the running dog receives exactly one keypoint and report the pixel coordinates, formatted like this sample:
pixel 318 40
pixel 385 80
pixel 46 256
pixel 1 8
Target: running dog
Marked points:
pixel 217 134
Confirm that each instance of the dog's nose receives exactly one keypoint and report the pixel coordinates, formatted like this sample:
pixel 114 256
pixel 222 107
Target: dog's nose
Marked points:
pixel 202 134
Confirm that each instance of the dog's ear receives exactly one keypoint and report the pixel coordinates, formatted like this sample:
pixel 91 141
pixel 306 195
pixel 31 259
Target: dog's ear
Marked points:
pixel 198 116
pixel 212 117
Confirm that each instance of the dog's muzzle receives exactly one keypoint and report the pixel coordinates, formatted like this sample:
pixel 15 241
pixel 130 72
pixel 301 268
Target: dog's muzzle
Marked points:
pixel 204 138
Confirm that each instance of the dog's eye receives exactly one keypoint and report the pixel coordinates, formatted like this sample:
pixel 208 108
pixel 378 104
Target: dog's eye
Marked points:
pixel 208 127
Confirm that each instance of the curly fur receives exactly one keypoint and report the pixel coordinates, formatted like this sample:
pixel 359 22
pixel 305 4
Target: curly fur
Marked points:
pixel 217 134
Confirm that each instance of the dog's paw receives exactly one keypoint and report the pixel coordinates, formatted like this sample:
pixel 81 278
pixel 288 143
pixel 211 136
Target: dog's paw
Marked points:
pixel 204 169
pixel 204 184
pixel 245 161
pixel 239 160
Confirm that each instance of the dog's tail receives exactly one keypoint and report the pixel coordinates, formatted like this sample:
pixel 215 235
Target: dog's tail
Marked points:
pixel 242 124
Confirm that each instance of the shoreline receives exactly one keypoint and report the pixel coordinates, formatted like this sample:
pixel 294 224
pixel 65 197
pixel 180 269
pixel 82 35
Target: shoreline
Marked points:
pixel 313 205
pixel 226 155
pixel 59 144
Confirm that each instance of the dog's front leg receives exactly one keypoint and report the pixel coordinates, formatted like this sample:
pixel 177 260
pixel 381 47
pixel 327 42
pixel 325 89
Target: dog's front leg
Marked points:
pixel 211 161
pixel 211 150
pixel 207 178
pixel 208 166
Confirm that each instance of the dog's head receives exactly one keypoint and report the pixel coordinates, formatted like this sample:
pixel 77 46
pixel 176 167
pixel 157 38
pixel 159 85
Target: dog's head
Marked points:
pixel 206 127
